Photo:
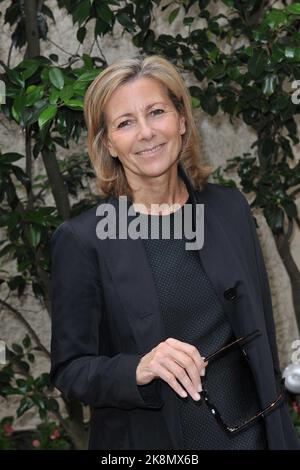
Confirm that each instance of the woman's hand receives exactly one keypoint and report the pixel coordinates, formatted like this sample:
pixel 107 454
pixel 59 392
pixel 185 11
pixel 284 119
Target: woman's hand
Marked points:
pixel 177 363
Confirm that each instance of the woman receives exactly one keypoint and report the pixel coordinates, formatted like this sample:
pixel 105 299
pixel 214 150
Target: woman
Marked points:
pixel 137 320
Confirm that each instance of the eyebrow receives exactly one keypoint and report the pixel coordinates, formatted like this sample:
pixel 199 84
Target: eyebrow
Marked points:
pixel 146 108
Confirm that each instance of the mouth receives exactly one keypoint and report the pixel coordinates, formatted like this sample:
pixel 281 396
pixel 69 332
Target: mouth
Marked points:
pixel 151 151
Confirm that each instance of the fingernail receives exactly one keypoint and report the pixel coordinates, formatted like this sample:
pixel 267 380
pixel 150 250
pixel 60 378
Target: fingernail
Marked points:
pixel 197 396
pixel 202 373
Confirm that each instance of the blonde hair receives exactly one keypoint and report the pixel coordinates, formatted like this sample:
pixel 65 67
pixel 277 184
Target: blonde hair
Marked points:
pixel 111 177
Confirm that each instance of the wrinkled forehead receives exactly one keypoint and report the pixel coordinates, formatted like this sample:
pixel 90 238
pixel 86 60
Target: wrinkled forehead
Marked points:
pixel 135 96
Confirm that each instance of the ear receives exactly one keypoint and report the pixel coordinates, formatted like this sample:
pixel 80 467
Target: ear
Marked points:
pixel 182 127
pixel 110 147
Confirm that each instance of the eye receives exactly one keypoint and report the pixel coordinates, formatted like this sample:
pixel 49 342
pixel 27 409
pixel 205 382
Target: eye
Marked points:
pixel 122 124
pixel 158 109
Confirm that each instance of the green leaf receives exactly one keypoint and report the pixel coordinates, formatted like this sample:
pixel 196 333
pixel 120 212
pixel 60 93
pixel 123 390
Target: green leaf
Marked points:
pixel 30 357
pixel 173 15
pixel 289 52
pixel 275 18
pixel 31 68
pixel 22 385
pixel 7 249
pixel 10 157
pixel 17 348
pixel 268 147
pixel 25 405
pixel 8 390
pixel 18 107
pixel 34 235
pixel 42 381
pixel 216 72
pixel 125 20
pixel 74 104
pixel 38 291
pixel 195 102
pixel 294 9
pixel 277 53
pixel 81 33
pixel 82 12
pixel 33 94
pixel 52 404
pixel 290 208
pixel 47 115
pixel 233 73
pixel 13 220
pixel 257 63
pixel 67 93
pixel 229 3
pixel 88 76
pixel 280 102
pixel 17 282
pixel 7 420
pixel 21 176
pixel 275 218
pixel 269 84
pixel 56 77
pixel 229 105
pixel 188 20
pixel 104 13
pixel 209 104
pixel 54 95
pixel 16 78
pixel 38 107
pixel 6 374
pixel 25 366
pixel 54 57
pixel 36 216
pixel 203 4
pixel 26 341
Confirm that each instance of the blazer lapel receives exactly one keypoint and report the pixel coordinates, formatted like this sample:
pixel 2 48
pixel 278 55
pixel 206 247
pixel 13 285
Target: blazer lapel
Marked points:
pixel 129 267
pixel 220 262
pixel 223 268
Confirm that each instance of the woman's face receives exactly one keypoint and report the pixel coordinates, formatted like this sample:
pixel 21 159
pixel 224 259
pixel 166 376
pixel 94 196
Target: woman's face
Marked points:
pixel 140 116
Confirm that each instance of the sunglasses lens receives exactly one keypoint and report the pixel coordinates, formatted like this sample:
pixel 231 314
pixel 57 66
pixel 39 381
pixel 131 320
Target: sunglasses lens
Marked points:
pixel 231 387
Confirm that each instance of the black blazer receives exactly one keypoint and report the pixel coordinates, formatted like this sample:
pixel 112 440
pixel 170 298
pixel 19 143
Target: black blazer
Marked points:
pixel 106 315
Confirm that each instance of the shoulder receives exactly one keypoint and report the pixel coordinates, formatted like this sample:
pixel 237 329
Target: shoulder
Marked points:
pixel 82 227
pixel 230 206
pixel 224 197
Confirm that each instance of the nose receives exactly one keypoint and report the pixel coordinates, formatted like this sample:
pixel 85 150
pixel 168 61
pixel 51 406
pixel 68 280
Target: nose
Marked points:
pixel 145 130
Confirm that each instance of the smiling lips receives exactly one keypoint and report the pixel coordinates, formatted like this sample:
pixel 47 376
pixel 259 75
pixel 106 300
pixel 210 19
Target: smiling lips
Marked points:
pixel 150 151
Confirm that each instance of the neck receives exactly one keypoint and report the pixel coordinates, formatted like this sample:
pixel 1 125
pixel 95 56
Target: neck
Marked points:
pixel 168 189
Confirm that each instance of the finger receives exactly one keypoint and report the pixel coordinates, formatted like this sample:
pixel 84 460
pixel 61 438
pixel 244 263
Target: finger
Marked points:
pixel 170 379
pixel 191 385
pixel 190 350
pixel 189 358
pixel 188 370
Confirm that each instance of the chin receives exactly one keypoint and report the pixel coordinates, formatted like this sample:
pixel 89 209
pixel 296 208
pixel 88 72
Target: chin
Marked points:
pixel 156 168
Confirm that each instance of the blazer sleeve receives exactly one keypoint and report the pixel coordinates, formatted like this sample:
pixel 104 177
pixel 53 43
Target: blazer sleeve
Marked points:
pixel 292 440
pixel 77 369
pixel 265 288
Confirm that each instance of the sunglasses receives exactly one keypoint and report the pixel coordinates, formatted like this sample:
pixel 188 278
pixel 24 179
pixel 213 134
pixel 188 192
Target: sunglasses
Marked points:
pixel 211 406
